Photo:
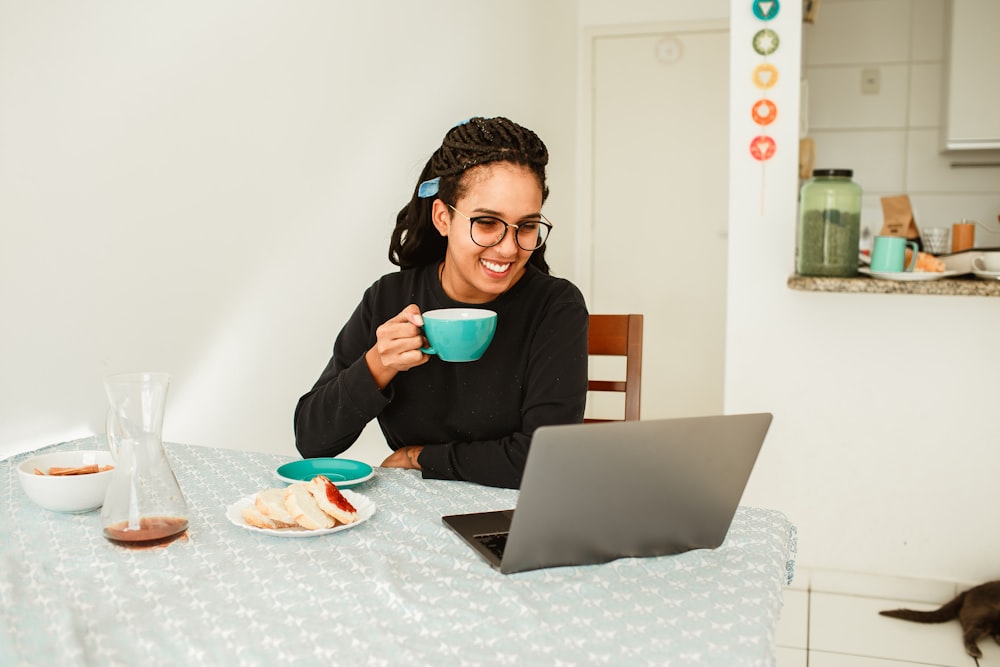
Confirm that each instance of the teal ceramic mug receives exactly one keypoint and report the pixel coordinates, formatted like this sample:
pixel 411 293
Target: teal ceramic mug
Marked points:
pixel 459 334
pixel 889 254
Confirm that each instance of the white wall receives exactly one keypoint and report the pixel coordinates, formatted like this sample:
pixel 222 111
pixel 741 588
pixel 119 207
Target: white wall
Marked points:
pixel 618 12
pixel 207 188
pixel 883 448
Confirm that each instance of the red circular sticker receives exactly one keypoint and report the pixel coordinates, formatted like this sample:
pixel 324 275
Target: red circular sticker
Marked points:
pixel 762 148
pixel 764 112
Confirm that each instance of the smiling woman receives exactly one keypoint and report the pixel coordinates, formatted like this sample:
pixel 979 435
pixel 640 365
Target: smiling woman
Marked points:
pixel 472 234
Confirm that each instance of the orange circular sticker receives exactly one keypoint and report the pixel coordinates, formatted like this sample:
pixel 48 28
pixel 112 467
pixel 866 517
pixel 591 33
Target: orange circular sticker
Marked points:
pixel 764 112
pixel 765 76
pixel 762 148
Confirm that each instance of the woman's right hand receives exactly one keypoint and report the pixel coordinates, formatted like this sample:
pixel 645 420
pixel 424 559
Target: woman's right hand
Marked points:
pixel 397 346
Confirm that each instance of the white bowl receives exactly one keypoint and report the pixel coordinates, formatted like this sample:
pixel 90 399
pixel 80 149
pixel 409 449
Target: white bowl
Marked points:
pixel 66 493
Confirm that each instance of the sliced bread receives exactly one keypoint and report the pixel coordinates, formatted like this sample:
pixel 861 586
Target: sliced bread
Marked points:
pixel 303 507
pixel 331 500
pixel 255 517
pixel 271 503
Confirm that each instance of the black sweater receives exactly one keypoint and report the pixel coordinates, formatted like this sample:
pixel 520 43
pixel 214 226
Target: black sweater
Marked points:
pixel 474 419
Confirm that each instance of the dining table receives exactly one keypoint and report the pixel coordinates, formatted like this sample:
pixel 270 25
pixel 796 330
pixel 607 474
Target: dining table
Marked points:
pixel 397 589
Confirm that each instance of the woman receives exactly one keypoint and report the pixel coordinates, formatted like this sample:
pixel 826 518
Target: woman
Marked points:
pixel 472 235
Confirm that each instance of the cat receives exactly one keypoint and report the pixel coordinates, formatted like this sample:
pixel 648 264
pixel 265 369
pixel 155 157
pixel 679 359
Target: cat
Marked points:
pixel 977 609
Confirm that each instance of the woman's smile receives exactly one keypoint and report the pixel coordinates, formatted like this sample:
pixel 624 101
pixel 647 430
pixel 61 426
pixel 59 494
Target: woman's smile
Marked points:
pixel 495 267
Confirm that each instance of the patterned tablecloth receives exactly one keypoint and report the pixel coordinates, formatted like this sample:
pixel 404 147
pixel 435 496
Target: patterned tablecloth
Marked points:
pixel 399 589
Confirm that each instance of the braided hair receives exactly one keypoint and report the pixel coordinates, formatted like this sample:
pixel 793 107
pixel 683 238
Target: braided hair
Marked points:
pixel 415 241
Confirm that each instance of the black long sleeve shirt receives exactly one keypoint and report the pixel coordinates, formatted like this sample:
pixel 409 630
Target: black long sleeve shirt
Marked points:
pixel 474 419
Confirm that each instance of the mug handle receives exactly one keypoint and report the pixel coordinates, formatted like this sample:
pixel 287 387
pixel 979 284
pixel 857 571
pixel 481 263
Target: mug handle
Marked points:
pixel 430 348
pixel 913 259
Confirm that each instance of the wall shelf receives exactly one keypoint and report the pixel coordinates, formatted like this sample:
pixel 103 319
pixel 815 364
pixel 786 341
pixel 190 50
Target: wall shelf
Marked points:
pixel 963 286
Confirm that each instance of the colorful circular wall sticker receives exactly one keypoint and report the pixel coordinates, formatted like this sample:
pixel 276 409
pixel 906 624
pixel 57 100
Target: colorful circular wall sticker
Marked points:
pixel 765 42
pixel 764 112
pixel 766 10
pixel 765 76
pixel 762 148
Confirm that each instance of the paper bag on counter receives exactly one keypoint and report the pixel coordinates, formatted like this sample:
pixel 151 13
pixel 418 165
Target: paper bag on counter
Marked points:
pixel 897 218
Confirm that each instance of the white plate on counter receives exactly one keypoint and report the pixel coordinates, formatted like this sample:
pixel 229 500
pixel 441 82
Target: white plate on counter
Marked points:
pixel 987 275
pixel 909 276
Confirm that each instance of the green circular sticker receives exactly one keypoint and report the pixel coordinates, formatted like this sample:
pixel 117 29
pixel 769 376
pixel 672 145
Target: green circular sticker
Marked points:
pixel 765 42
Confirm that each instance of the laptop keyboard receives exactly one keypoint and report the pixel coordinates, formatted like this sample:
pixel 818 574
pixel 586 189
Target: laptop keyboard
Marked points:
pixel 495 542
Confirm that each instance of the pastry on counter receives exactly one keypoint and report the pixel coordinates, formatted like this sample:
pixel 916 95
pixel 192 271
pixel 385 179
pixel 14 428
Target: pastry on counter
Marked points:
pixel 926 262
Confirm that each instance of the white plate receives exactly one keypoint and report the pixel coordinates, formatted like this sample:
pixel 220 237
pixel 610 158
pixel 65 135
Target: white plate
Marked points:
pixel 365 508
pixel 909 276
pixel 987 275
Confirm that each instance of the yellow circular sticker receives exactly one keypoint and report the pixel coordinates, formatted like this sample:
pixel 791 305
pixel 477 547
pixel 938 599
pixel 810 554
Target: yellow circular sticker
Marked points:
pixel 765 76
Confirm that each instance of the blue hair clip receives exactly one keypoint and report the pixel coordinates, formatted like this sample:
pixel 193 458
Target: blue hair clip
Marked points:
pixel 429 188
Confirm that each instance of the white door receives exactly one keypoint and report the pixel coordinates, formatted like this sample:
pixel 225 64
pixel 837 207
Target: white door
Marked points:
pixel 660 119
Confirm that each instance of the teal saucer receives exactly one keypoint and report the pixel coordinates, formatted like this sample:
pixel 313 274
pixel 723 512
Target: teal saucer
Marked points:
pixel 345 473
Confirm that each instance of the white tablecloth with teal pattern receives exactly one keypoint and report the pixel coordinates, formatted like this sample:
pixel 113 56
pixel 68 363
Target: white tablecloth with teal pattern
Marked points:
pixel 400 589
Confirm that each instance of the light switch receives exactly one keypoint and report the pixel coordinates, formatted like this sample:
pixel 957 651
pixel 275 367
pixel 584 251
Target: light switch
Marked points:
pixel 871 80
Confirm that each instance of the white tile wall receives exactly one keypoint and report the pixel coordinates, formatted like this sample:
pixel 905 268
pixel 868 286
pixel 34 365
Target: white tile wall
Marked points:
pixel 925 95
pixel 928 170
pixel 836 100
pixel 927 38
pixel 891 139
pixel 859 32
pixel 878 158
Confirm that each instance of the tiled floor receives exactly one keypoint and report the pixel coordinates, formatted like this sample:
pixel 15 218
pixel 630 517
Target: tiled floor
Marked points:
pixel 831 620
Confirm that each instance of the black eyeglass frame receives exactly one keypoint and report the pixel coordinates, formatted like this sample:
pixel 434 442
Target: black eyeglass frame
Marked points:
pixel 507 226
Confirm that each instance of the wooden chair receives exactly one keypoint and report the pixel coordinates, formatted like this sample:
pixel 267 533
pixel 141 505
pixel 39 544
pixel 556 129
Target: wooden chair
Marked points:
pixel 618 335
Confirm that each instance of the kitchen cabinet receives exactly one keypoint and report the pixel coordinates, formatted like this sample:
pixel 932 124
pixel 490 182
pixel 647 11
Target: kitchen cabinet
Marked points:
pixel 972 99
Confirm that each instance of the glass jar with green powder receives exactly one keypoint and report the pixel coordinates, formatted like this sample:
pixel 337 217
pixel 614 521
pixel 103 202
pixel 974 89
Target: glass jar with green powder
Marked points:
pixel 829 224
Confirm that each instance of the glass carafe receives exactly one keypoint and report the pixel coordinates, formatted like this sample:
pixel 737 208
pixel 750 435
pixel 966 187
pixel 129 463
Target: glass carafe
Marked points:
pixel 144 505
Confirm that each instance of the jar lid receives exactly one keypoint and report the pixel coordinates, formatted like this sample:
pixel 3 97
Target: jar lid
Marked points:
pixel 833 172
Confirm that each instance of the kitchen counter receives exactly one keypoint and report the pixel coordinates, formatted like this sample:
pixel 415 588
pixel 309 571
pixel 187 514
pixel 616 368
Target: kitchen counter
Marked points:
pixel 959 286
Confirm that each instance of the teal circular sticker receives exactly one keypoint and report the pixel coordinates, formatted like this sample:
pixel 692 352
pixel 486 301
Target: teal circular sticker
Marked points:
pixel 766 10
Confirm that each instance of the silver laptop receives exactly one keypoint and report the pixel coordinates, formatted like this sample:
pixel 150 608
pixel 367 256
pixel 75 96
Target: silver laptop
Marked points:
pixel 592 493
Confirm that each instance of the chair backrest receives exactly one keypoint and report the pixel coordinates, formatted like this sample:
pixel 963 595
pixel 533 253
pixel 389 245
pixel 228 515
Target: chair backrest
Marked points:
pixel 618 335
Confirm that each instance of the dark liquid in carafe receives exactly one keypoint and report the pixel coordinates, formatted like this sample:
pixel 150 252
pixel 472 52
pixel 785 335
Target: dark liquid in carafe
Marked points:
pixel 152 532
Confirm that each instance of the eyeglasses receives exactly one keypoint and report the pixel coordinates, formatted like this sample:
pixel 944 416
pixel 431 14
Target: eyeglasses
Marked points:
pixel 488 231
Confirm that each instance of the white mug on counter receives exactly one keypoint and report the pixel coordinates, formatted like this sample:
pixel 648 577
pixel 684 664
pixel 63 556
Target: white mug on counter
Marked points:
pixel 988 261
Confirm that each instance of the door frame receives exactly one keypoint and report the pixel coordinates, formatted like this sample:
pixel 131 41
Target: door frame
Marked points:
pixel 583 255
